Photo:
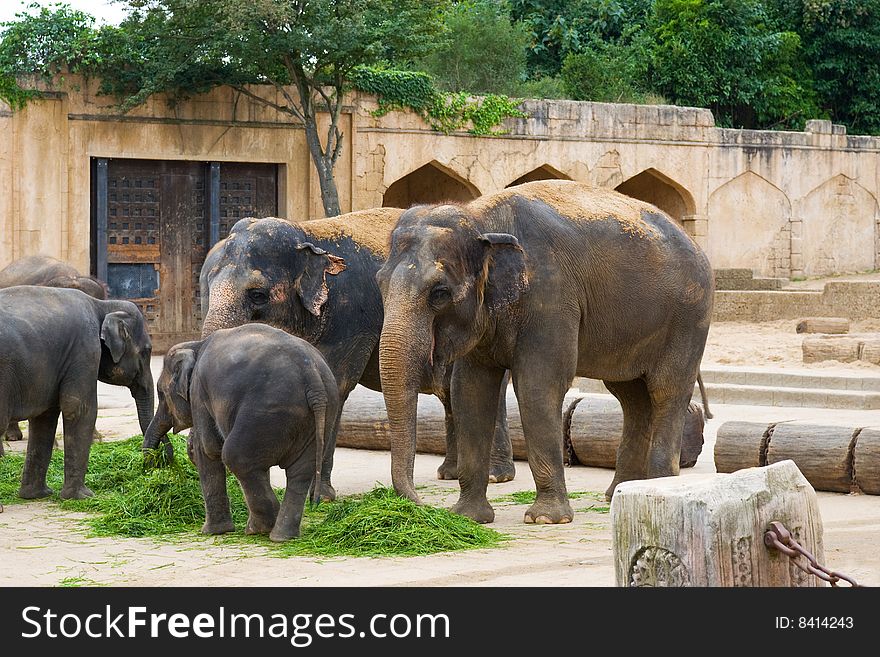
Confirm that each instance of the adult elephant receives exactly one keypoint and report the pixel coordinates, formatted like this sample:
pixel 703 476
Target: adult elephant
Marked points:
pixel 549 280
pixel 56 345
pixel 292 276
pixel 49 272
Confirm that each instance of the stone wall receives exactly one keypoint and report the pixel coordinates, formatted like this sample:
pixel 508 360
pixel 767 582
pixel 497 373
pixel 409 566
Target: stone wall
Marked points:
pixel 783 204
pixel 852 299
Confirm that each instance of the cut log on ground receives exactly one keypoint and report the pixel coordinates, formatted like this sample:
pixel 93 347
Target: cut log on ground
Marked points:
pixel 866 461
pixel 830 325
pixel 740 445
pixel 708 530
pixel 593 426
pixel 846 349
pixel 822 453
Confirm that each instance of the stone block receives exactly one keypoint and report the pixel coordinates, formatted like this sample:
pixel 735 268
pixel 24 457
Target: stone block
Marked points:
pixel 708 530
pixel 818 126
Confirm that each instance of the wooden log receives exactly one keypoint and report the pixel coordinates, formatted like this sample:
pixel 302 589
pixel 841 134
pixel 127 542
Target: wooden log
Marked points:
pixel 707 530
pixel 831 325
pixel 596 425
pixel 594 430
pixel 845 350
pixel 740 445
pixel 822 453
pixel 866 461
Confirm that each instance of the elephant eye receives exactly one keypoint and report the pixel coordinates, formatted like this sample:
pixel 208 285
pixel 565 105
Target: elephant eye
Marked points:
pixel 258 296
pixel 440 295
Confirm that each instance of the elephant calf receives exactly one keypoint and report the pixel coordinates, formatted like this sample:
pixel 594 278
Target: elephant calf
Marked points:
pixel 255 397
pixel 55 345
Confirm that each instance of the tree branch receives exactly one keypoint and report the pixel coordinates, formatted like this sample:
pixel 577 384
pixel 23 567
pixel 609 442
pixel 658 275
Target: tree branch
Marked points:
pixel 268 103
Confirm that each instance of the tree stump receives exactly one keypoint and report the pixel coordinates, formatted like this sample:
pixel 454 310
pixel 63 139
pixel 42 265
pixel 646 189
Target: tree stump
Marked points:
pixel 866 461
pixel 846 349
pixel 822 453
pixel 708 530
pixel 831 325
pixel 741 445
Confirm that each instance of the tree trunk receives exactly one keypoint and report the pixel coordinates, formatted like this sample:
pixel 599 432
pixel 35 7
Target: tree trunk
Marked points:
pixel 833 325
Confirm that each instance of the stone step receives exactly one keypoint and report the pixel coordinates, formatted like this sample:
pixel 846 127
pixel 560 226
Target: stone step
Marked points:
pixel 779 388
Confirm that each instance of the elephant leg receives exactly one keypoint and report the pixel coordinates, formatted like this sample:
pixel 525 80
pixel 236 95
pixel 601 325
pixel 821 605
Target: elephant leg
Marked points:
pixel 79 413
pixel 212 478
pixel 670 403
pixel 475 389
pixel 41 439
pixel 501 466
pixel 299 478
pixel 13 432
pixel 632 454
pixel 328 492
pixel 449 468
pixel 253 476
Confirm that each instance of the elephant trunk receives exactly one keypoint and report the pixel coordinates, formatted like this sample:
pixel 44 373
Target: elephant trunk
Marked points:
pixel 157 431
pixel 144 396
pixel 226 309
pixel 404 350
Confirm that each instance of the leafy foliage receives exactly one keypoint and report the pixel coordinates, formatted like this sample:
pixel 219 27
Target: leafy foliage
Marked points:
pixel 167 502
pixel 445 112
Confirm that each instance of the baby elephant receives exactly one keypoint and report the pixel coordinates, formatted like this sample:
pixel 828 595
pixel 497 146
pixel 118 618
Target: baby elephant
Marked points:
pixel 255 397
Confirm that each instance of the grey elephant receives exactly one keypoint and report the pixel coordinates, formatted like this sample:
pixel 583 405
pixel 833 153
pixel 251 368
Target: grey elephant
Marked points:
pixel 255 397
pixel 50 272
pixel 56 344
pixel 549 280
pixel 291 275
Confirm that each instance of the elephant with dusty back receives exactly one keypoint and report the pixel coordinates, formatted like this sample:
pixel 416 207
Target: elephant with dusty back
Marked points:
pixel 550 280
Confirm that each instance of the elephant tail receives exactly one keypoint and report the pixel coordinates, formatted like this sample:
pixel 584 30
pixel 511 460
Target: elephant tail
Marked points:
pixel 704 397
pixel 319 411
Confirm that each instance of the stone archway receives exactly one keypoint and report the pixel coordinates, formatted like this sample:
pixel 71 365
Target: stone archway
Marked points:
pixel 657 189
pixel 543 172
pixel 430 183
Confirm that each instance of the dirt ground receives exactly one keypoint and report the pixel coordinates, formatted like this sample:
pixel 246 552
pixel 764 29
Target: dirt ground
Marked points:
pixel 41 545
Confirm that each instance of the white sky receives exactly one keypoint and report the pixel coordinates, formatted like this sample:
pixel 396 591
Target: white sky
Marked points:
pixel 105 11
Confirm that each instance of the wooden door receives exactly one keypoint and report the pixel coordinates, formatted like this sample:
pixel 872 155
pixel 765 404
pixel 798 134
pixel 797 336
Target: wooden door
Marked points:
pixel 154 222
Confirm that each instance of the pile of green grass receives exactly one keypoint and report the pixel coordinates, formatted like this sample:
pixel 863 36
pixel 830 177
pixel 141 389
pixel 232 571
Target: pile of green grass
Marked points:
pixel 167 502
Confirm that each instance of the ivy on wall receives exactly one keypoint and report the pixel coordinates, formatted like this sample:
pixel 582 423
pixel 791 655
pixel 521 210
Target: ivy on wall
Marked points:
pixel 442 111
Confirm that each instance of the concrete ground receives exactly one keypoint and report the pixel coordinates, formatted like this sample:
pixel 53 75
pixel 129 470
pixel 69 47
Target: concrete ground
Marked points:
pixel 40 545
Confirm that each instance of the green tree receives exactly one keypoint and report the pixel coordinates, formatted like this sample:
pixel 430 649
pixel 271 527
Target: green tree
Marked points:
pixel 725 55
pixel 185 47
pixel 841 43
pixel 483 51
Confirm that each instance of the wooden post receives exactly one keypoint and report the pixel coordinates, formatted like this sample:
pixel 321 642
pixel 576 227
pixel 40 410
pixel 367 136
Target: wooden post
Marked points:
pixel 866 461
pixel 708 530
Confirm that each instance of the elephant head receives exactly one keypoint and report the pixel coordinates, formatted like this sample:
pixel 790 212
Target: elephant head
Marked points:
pixel 266 271
pixel 443 286
pixel 125 356
pixel 174 410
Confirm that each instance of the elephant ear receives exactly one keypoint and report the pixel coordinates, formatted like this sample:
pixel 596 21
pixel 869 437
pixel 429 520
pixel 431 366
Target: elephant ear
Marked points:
pixel 182 364
pixel 311 286
pixel 504 270
pixel 115 334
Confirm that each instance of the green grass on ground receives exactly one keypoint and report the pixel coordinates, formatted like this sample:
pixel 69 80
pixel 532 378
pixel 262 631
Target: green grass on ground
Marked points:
pixel 167 503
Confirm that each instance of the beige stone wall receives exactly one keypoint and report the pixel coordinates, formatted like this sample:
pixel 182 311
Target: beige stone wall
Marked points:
pixel 780 203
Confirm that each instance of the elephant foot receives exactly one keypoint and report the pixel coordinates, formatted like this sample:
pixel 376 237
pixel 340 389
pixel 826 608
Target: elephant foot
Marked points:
pixel 278 535
pixel 479 511
pixel 328 493
pixel 259 525
pixel 448 469
pixel 220 527
pixel 76 492
pixel 34 492
pixel 501 472
pixel 549 512
pixel 14 433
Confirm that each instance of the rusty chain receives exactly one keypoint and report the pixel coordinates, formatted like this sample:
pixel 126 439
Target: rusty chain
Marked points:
pixel 779 538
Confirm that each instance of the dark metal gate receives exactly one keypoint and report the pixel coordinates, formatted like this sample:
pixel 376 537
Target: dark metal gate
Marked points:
pixel 154 221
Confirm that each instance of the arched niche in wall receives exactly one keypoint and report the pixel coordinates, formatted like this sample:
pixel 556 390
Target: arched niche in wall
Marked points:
pixel 839 228
pixel 657 189
pixel 750 226
pixel 543 172
pixel 430 183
